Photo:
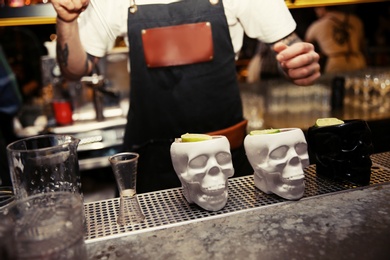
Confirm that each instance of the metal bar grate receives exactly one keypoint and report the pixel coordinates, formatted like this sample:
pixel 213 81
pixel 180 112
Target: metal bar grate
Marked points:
pixel 168 207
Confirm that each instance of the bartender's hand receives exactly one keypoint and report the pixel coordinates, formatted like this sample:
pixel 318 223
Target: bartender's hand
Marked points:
pixel 299 61
pixel 69 10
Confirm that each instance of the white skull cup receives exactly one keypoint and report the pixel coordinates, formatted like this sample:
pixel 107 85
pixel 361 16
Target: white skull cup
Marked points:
pixel 203 169
pixel 278 161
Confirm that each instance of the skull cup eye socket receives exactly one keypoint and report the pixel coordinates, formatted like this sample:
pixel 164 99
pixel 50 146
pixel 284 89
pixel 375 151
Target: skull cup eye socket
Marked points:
pixel 223 158
pixel 301 148
pixel 279 153
pixel 198 162
pixel 356 140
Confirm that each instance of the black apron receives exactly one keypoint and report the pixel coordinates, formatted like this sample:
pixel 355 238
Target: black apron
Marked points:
pixel 167 102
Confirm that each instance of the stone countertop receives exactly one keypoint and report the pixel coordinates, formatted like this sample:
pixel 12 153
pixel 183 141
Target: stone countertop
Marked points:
pixel 353 224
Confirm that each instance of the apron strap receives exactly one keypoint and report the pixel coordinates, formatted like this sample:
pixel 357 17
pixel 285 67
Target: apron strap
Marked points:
pixel 133 6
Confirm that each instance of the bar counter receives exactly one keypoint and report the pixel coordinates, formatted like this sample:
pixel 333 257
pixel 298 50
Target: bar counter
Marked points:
pixel 337 221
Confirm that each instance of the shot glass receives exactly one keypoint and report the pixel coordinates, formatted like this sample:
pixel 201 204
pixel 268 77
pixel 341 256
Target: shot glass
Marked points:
pixel 124 166
pixel 44 226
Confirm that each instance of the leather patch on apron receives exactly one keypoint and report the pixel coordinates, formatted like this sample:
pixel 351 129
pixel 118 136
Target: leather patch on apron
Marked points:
pixel 178 45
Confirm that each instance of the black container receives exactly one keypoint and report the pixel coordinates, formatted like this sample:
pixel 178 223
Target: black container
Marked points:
pixel 342 152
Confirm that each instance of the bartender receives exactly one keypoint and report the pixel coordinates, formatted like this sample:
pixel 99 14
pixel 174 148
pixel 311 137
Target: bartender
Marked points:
pixel 182 63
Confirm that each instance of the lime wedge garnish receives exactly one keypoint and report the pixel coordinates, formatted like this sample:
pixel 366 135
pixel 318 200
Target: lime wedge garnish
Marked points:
pixel 264 131
pixel 195 137
pixel 328 121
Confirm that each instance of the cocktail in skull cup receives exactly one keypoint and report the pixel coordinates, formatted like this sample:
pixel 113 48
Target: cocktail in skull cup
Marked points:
pixel 342 152
pixel 203 168
pixel 278 160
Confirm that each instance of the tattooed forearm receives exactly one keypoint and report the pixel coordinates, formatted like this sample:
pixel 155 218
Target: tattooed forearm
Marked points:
pixel 291 39
pixel 62 55
pixel 63 61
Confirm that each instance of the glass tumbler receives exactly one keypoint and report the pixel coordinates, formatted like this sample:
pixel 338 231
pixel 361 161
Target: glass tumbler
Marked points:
pixel 124 166
pixel 44 163
pixel 44 226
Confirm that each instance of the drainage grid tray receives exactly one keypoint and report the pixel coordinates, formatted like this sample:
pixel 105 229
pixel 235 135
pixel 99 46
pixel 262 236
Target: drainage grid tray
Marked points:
pixel 169 208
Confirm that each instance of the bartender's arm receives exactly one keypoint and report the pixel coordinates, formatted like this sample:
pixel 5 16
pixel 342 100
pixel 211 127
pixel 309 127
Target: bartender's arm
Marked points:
pixel 298 60
pixel 71 56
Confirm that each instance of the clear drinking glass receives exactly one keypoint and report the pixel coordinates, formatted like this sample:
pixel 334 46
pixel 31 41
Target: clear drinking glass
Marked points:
pixel 124 166
pixel 44 163
pixel 44 226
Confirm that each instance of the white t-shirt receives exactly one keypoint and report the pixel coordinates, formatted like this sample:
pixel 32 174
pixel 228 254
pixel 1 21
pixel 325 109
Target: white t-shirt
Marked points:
pixel 266 20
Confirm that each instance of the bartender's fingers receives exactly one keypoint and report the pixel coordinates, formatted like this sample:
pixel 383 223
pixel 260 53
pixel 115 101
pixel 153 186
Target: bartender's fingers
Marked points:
pixel 288 52
pixel 303 61
pixel 305 76
pixel 299 61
